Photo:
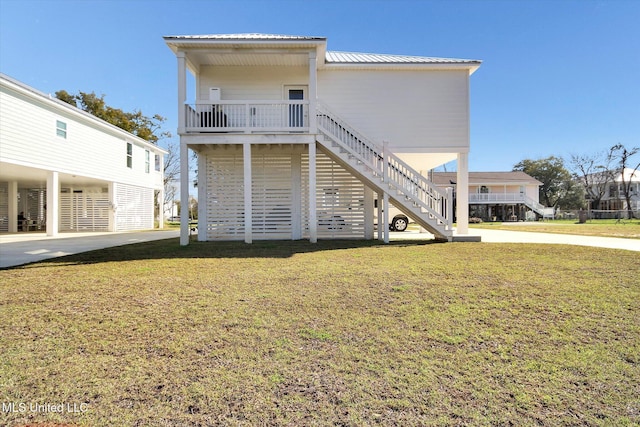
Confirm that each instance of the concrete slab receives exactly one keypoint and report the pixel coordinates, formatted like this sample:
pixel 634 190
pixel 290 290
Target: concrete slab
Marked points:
pixel 508 236
pixel 24 248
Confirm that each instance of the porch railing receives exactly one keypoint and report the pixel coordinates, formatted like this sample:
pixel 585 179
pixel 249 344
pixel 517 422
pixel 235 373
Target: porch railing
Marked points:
pixel 247 116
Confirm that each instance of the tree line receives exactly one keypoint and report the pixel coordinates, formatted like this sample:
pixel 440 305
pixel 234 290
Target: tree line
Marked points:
pixel 587 177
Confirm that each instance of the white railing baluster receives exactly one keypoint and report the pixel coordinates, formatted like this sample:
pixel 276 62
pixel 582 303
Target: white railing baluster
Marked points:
pixel 392 169
pixel 247 116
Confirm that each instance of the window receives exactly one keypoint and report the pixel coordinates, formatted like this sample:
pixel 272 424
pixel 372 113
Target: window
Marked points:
pixel 129 155
pixel 61 129
pixel 147 161
pixel 157 156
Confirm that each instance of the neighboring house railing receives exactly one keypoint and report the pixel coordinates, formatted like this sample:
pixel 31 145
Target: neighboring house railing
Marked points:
pixel 497 197
pixel 247 116
pixel 483 198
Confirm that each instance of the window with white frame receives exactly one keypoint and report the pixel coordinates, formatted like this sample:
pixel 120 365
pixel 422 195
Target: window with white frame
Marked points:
pixel 61 129
pixel 147 161
pixel 129 155
pixel 157 160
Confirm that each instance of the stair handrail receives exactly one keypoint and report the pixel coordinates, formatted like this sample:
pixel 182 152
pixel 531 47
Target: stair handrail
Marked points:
pixel 351 140
pixel 397 172
pixel 537 206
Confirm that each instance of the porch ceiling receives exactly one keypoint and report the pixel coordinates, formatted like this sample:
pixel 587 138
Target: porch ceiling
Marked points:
pixel 251 58
pixel 28 177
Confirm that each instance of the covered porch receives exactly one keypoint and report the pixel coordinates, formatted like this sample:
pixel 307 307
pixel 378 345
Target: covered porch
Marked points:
pixel 51 202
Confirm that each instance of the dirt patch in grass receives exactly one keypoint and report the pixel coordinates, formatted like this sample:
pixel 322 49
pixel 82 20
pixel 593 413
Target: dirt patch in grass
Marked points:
pixel 338 333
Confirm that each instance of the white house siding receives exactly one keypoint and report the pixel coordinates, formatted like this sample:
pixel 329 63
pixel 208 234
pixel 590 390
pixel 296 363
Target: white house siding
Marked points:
pixel 250 83
pixel 28 135
pixel 416 111
pixel 279 196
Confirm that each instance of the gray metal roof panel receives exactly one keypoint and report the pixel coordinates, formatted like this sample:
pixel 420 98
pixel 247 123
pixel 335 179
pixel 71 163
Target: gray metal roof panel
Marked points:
pixel 333 57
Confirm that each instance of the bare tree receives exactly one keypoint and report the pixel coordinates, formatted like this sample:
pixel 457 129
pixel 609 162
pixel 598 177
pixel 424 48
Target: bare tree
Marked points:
pixel 625 161
pixel 171 173
pixel 595 172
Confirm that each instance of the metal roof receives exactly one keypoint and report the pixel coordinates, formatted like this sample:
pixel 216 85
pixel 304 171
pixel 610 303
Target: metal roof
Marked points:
pixel 375 58
pixel 351 60
pixel 245 37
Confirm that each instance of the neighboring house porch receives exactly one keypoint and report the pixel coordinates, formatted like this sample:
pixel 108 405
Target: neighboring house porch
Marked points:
pixel 501 196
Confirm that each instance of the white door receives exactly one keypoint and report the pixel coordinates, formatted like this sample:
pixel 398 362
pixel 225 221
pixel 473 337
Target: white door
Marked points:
pixel 297 112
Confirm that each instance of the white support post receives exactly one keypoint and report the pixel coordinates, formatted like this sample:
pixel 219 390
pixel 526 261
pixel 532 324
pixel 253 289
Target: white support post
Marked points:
pixel 462 194
pixel 14 227
pixel 385 216
pixel 182 90
pixel 449 211
pixel 313 92
pixel 184 194
pixel 380 216
pixel 368 213
pixel 203 184
pixel 248 217
pixel 313 217
pixel 53 203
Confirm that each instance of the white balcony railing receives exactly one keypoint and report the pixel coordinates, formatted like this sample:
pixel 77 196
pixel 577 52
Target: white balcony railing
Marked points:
pixel 248 116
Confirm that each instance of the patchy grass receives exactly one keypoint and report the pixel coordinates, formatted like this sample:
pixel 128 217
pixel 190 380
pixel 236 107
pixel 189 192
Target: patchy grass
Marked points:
pixel 629 229
pixel 337 333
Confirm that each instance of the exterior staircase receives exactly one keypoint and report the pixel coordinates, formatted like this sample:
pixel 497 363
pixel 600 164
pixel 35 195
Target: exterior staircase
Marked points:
pixel 409 191
pixel 542 210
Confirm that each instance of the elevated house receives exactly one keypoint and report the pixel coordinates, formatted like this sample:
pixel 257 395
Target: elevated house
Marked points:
pixel 297 142
pixel 62 169
pixel 500 196
pixel 606 195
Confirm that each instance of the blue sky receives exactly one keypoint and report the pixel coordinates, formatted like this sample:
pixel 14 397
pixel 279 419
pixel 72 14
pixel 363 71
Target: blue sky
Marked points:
pixel 558 77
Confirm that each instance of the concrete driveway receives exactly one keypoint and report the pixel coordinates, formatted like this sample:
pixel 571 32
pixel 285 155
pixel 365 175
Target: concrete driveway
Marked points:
pixel 508 236
pixel 25 248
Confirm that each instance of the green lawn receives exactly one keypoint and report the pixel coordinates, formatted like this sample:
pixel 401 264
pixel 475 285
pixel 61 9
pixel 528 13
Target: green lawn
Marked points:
pixel 629 229
pixel 336 333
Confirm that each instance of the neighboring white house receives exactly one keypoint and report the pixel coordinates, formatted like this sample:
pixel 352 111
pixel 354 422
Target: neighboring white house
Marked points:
pixel 611 186
pixel 500 196
pixel 62 169
pixel 295 141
